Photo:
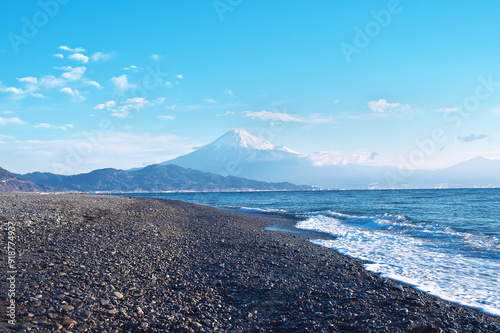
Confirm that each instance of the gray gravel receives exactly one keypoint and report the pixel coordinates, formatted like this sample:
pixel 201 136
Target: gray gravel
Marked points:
pixel 115 264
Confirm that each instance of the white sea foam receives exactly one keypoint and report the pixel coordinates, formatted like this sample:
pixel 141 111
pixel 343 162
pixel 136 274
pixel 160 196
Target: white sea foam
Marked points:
pixel 259 210
pixel 411 257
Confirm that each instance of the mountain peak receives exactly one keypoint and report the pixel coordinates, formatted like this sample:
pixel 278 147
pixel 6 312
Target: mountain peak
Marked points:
pixel 238 138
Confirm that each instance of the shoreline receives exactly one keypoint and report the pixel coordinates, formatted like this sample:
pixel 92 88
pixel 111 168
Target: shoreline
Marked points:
pixel 89 262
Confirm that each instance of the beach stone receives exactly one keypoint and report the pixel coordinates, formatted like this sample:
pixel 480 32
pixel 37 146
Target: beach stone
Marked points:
pixel 67 307
pixel 177 275
pixel 85 314
pixel 69 322
pixel 112 312
pixel 118 295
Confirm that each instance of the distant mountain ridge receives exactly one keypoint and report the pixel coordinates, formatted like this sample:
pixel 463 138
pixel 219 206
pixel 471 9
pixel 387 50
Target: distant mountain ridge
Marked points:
pixel 154 178
pixel 241 154
pixel 10 183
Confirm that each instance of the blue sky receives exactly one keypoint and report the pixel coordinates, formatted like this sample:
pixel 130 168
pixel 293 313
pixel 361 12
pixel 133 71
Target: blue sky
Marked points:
pixel 94 84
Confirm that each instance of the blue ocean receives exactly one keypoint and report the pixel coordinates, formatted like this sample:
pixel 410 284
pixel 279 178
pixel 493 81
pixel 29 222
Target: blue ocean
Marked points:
pixel 444 242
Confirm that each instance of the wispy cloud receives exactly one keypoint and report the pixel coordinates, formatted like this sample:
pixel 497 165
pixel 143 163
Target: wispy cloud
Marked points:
pixel 101 56
pixel 69 49
pixel 59 55
pixel 72 73
pixel 50 126
pixel 167 117
pixel 229 92
pixel 324 158
pixel 132 68
pixel 209 100
pixel 155 57
pixel 383 106
pixel 121 83
pixel 93 83
pixel 180 76
pixel 471 138
pixel 12 120
pixel 448 109
pixel 79 57
pixel 29 79
pixel 285 117
pixel 108 104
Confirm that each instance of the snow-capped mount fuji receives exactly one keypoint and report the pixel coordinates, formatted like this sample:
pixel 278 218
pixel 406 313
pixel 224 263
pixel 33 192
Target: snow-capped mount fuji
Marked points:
pixel 240 142
pixel 240 154
pixel 235 153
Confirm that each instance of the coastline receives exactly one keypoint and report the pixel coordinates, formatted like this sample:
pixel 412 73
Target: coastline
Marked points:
pixel 88 263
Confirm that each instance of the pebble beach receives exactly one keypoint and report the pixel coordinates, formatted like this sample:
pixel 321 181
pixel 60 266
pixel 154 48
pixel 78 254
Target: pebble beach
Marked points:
pixel 88 263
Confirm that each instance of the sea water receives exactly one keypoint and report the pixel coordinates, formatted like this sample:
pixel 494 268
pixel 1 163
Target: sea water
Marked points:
pixel 443 242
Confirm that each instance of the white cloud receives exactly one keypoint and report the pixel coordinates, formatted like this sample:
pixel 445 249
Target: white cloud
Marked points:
pixel 12 120
pixel 327 158
pixel 121 83
pixel 100 56
pixel 471 138
pixel 68 91
pixel 119 114
pixel 451 109
pixel 38 95
pixel 108 104
pixel 228 92
pixel 167 117
pixel 160 100
pixel 171 107
pixel 382 105
pixel 155 57
pixel 169 84
pixel 50 81
pixel 136 103
pixel 285 117
pixel 50 126
pixel 59 55
pixel 227 113
pixel 209 100
pixel 65 48
pixel 132 68
pixel 336 101
pixel 29 79
pixel 79 57
pixel 14 90
pixel 73 92
pixel 93 83
pixel 122 110
pixel 118 150
pixel 180 76
pixel 268 115
pixel 324 158
pixel 73 73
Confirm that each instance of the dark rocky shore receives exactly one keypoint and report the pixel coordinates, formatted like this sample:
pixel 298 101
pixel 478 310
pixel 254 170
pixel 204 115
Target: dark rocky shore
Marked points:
pixel 114 264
